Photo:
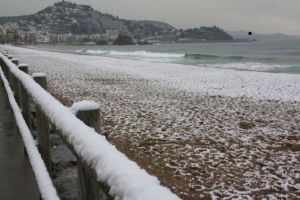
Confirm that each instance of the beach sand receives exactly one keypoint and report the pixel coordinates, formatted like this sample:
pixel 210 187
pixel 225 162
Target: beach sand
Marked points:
pixel 205 133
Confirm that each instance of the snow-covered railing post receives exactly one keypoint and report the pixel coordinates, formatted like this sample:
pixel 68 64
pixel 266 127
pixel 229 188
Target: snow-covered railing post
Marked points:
pixel 10 75
pixel 89 187
pixel 25 99
pixel 2 64
pixel 15 82
pixel 89 113
pixel 15 61
pixel 18 86
pixel 43 130
pixel 4 67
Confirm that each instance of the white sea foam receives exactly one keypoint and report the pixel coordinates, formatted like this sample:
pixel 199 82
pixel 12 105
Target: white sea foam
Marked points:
pixel 132 54
pixel 146 54
pixel 174 57
pixel 251 66
pixel 98 51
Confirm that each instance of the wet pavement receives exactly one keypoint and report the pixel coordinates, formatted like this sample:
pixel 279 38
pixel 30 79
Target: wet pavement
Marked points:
pixel 17 180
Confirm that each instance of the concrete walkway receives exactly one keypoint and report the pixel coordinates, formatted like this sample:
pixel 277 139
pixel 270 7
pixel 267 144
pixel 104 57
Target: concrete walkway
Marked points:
pixel 17 180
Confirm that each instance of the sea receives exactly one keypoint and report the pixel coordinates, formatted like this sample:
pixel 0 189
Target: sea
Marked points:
pixel 282 56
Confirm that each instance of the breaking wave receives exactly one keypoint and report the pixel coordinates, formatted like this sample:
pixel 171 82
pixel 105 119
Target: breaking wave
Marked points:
pixel 133 54
pixel 250 66
pixel 96 51
pixel 204 60
pixel 229 58
pixel 89 51
pixel 146 54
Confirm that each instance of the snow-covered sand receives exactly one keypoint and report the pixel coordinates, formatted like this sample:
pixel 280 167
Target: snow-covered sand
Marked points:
pixel 203 132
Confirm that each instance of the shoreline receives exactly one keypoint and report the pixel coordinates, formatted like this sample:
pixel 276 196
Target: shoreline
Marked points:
pixel 199 79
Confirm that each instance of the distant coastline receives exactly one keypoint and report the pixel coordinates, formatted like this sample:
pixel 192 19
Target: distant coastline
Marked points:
pixel 66 22
pixel 140 44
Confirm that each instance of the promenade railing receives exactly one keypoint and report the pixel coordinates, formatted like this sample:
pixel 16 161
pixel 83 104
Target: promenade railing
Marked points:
pixel 103 171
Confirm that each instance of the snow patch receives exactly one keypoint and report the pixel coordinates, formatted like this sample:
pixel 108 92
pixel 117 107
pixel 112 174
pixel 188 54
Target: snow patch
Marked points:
pixel 84 105
pixel 39 74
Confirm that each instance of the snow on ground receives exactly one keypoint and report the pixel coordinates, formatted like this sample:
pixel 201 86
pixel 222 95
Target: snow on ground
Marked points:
pixel 205 133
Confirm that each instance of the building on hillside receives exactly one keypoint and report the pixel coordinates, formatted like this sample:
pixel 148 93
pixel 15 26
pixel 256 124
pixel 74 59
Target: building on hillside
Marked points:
pixel 112 34
pixel 42 37
pixel 2 38
pixel 62 38
pixel 2 35
pixel 95 37
pixel 30 37
pixel 12 35
pixel 22 36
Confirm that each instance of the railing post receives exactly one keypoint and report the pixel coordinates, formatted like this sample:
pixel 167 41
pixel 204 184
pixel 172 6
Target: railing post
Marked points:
pixel 88 185
pixel 4 68
pixel 16 84
pixel 43 126
pixel 10 75
pixel 25 100
pixel 15 81
pixel 15 61
pixel 90 117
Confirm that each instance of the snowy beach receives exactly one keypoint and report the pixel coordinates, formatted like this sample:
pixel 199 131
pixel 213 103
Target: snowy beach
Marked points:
pixel 204 132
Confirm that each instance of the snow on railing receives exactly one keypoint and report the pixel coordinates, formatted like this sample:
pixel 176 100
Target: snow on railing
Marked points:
pixel 43 179
pixel 123 178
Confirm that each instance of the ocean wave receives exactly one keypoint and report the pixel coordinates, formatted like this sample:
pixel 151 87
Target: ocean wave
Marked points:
pixel 90 51
pixel 79 51
pixel 96 51
pixel 200 56
pixel 251 66
pixel 293 53
pixel 228 58
pixel 146 54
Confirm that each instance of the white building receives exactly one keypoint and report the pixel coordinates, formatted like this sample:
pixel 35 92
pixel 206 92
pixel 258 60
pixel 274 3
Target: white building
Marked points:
pixel 95 37
pixel 42 37
pixel 112 34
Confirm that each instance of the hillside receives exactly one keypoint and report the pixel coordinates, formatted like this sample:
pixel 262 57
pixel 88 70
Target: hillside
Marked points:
pixel 69 19
pixel 66 17
pixel 206 33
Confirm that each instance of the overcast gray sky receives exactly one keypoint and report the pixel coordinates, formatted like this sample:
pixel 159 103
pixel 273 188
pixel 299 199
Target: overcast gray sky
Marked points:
pixel 264 16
